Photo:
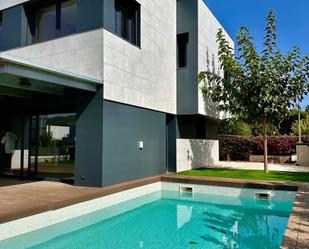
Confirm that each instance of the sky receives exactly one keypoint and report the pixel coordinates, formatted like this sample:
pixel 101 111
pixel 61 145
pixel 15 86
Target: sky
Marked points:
pixel 292 21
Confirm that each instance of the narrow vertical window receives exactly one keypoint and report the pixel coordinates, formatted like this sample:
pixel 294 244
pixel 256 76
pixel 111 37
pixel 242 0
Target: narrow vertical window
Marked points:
pixel 55 20
pixel 1 36
pixel 46 23
pixel 127 20
pixel 68 19
pixel 182 44
pixel 1 18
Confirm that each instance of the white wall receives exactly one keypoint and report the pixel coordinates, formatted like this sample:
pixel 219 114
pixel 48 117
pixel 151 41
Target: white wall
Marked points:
pixel 196 153
pixel 15 163
pixel 144 76
pixel 80 53
pixel 4 4
pixel 59 132
pixel 208 26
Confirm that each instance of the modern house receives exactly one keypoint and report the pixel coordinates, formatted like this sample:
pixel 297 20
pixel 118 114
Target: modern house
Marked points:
pixel 127 69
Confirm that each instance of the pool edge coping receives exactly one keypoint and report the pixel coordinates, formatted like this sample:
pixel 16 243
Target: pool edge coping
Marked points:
pixel 296 235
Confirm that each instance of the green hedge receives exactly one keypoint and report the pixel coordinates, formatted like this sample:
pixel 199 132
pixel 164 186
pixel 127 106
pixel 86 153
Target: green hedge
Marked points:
pixel 240 148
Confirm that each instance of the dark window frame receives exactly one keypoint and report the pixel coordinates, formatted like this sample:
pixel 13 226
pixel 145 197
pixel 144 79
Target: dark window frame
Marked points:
pixel 1 18
pixel 31 12
pixel 129 11
pixel 182 50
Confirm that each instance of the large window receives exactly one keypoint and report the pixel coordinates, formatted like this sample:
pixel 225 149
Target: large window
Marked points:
pixel 182 43
pixel 127 20
pixel 1 24
pixel 55 20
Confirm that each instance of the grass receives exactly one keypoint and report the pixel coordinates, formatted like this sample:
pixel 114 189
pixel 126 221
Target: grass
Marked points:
pixel 250 174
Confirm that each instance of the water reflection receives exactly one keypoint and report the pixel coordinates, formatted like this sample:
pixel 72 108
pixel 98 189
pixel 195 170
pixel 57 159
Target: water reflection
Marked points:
pixel 228 227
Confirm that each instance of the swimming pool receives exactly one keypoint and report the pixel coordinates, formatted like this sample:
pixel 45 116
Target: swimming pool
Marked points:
pixel 176 216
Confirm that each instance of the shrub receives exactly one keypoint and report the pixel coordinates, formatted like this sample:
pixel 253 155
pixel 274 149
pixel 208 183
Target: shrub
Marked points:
pixel 241 147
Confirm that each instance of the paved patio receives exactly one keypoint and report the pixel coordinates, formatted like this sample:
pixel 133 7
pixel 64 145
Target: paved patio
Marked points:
pixel 260 166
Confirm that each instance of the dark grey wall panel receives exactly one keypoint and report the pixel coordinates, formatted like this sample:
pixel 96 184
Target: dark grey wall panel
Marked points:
pixel 211 129
pixel 89 141
pixel 124 127
pixel 187 85
pixel 109 15
pixel 196 127
pixel 171 143
pixel 89 15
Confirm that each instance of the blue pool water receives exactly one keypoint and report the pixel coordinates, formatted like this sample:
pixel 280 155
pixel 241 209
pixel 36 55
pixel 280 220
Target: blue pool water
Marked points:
pixel 167 221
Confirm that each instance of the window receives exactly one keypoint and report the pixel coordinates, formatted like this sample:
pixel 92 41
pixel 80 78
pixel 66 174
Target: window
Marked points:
pixel 182 43
pixel 55 20
pixel 127 20
pixel 1 18
pixel 46 23
pixel 1 24
pixel 68 17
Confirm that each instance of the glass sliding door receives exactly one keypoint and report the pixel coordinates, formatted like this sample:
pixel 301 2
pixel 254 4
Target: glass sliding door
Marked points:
pixel 53 146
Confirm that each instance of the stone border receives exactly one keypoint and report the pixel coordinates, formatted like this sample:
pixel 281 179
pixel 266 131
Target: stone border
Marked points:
pixel 297 231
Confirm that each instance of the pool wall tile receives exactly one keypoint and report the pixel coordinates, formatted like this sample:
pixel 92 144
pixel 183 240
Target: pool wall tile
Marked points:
pixel 39 221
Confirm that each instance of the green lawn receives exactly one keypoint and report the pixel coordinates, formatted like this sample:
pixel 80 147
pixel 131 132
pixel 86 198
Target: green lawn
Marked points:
pixel 249 174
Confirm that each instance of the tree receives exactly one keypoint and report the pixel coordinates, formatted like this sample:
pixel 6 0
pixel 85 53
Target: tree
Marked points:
pixel 258 88
pixel 285 123
pixel 234 127
pixel 304 126
pixel 307 109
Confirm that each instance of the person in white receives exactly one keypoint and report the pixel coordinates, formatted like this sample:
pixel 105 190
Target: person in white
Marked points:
pixel 9 140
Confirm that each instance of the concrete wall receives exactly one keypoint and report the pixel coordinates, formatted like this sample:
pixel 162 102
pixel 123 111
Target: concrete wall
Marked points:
pixel 80 53
pixel 4 4
pixel 208 27
pixel 144 76
pixel 196 153
pixel 302 154
pixel 124 127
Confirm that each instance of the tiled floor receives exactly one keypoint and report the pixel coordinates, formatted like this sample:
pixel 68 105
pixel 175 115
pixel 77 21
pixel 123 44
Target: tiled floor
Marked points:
pixel 20 200
pixel 297 232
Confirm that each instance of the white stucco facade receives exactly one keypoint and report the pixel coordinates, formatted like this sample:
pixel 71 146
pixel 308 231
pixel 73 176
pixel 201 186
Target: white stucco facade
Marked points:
pixel 196 153
pixel 4 4
pixel 208 27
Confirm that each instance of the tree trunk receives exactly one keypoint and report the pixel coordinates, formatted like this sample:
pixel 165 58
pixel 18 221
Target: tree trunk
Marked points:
pixel 265 145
